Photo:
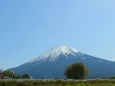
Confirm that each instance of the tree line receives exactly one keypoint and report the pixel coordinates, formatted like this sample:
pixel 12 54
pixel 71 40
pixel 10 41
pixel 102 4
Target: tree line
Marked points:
pixel 12 75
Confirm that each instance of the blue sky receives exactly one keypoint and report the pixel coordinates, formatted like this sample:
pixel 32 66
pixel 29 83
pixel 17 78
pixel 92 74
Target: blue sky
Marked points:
pixel 28 28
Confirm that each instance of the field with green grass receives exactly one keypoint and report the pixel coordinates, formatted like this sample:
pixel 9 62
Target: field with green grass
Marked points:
pixel 57 82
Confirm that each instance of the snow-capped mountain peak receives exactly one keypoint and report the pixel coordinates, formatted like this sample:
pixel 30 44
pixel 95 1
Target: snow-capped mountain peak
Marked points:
pixel 54 52
pixel 62 50
pixel 53 63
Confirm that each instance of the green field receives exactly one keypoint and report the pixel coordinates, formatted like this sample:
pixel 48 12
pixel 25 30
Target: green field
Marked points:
pixel 57 82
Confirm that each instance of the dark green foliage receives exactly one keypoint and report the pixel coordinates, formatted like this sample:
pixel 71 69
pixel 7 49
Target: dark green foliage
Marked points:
pixel 76 71
pixel 9 74
pixel 17 76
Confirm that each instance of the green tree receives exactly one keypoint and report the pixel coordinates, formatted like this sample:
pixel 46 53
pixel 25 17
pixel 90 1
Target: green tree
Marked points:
pixel 9 74
pixel 76 71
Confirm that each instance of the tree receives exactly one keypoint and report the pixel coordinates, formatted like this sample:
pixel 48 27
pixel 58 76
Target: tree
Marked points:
pixel 9 74
pixel 76 71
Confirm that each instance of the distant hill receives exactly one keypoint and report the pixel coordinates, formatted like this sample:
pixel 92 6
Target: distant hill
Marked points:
pixel 53 63
pixel 26 76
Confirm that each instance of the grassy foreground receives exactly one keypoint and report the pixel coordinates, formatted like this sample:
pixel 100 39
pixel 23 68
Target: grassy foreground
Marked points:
pixel 57 83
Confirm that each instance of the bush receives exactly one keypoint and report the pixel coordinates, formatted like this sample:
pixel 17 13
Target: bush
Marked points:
pixel 76 71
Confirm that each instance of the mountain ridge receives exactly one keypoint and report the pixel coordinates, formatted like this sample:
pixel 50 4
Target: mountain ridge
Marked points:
pixel 53 63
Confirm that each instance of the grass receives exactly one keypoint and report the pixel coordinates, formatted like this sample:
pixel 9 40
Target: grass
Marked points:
pixel 57 82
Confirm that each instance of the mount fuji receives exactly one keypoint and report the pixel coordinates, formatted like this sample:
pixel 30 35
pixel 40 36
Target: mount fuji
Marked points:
pixel 51 65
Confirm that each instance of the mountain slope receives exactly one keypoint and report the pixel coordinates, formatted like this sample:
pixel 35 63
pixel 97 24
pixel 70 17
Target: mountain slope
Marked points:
pixel 54 53
pixel 53 63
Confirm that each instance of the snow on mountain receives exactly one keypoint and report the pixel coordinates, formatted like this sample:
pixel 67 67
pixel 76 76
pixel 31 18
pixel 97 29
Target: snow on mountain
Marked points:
pixel 53 63
pixel 54 53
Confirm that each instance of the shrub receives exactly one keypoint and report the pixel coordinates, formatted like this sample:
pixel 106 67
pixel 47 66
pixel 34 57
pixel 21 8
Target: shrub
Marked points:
pixel 76 71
